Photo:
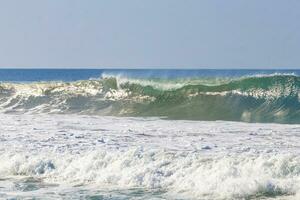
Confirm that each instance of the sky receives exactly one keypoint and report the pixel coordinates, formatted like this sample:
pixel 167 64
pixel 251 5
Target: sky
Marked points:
pixel 150 33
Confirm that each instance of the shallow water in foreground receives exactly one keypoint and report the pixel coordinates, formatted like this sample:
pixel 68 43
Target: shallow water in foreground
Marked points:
pixel 46 156
pixel 29 188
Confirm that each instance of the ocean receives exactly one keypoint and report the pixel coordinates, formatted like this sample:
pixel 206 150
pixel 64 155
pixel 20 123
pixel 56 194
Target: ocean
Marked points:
pixel 149 134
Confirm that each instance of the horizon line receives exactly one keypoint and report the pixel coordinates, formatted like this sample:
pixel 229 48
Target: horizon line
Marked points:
pixel 155 68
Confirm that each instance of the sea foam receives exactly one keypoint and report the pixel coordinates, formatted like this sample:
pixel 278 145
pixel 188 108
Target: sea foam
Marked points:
pixel 177 159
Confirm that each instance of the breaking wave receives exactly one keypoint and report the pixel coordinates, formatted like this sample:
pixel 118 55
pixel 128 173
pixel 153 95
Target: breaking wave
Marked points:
pixel 272 98
pixel 184 175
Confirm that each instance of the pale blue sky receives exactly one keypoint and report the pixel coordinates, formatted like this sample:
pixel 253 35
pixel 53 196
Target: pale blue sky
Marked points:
pixel 150 33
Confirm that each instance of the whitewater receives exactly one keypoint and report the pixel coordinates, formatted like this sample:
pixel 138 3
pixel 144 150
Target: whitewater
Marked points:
pixel 144 134
pixel 79 156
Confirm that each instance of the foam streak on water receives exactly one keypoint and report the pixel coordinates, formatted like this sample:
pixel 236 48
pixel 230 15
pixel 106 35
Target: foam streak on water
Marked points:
pixel 79 156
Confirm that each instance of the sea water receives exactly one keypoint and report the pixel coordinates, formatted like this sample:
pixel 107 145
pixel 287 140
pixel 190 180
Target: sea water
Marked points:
pixel 149 134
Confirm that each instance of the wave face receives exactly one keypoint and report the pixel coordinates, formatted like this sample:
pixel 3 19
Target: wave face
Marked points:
pixel 268 98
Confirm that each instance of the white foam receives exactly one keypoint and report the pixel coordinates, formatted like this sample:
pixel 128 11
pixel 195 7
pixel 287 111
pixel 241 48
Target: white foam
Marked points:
pixel 242 161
